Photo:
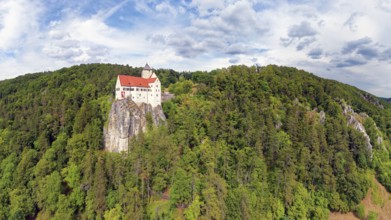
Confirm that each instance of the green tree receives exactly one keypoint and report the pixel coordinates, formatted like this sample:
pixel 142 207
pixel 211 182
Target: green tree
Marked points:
pixel 180 194
pixel 48 192
pixel 21 204
pixel 194 209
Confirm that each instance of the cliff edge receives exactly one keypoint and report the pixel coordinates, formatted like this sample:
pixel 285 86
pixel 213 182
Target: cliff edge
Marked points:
pixel 127 119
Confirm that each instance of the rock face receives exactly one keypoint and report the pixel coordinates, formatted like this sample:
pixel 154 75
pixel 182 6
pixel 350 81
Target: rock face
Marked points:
pixel 322 117
pixel 372 99
pixel 127 119
pixel 353 120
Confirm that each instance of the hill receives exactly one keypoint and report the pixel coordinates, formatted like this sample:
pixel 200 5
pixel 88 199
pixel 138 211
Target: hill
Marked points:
pixel 239 143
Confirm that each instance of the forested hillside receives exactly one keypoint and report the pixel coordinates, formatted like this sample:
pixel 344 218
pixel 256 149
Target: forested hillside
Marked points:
pixel 239 143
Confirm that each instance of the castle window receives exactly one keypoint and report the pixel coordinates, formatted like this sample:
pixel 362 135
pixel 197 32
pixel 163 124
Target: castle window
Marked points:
pixel 131 89
pixel 118 89
pixel 137 89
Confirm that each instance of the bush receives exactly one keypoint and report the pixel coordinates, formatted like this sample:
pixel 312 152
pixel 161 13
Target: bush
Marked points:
pixel 372 215
pixel 360 211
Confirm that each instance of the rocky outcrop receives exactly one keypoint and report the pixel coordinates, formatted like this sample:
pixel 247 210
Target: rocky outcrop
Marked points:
pixel 127 119
pixel 355 120
pixel 372 99
pixel 322 117
pixel 167 96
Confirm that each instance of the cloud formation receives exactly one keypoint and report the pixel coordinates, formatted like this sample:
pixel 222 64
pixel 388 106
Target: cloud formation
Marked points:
pixel 304 29
pixel 355 44
pixel 361 51
pixel 344 40
pixel 315 53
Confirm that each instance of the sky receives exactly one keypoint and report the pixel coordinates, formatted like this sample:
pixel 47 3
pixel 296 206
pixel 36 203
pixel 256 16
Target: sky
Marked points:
pixel 345 40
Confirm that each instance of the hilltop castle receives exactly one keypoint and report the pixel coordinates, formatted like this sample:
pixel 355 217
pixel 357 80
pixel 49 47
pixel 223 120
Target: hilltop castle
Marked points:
pixel 144 89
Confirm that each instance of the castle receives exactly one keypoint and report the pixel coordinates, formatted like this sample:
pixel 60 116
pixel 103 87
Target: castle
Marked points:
pixel 144 89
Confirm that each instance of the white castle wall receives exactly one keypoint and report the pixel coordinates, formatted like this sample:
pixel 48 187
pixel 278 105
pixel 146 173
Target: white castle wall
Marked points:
pixel 151 95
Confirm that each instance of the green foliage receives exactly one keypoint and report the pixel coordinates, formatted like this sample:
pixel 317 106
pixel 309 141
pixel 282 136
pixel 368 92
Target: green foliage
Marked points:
pixel 194 209
pixel 299 208
pixel 21 204
pixel 319 208
pixel 376 196
pixel 181 87
pixel 372 215
pixel 114 213
pixel 277 208
pixel 160 209
pixel 239 143
pixel 180 194
pixel 48 192
pixel 360 211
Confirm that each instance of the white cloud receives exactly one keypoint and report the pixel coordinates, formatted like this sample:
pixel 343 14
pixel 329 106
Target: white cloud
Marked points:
pixel 207 7
pixel 165 7
pixel 333 33
pixel 17 20
pixel 104 14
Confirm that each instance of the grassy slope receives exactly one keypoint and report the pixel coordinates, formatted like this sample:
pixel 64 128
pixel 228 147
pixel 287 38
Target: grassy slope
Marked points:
pixel 377 200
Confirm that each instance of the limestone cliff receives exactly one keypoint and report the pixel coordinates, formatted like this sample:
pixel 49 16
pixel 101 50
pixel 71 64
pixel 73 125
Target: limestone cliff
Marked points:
pixel 127 119
pixel 356 121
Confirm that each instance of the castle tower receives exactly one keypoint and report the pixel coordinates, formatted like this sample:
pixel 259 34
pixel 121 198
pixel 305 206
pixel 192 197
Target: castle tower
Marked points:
pixel 147 72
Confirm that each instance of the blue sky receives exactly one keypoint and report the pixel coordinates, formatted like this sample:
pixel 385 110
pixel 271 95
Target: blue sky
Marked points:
pixel 337 39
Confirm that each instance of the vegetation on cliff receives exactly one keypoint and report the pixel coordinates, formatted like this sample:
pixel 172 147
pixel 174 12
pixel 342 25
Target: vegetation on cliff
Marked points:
pixel 239 143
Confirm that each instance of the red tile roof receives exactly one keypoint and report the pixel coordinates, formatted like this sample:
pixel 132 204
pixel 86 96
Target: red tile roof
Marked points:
pixel 135 81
